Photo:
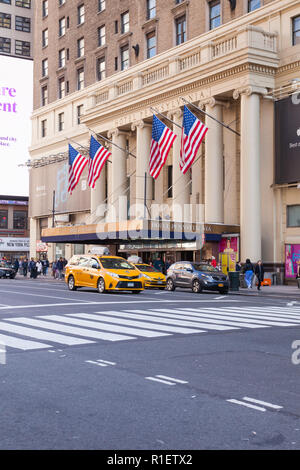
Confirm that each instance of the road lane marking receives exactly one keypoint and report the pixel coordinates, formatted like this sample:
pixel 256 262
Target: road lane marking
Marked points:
pixel 110 317
pixel 172 379
pixel 160 380
pixel 103 326
pixel 102 363
pixel 72 329
pixel 248 405
pixel 56 338
pixel 23 344
pixel 264 403
pixel 38 295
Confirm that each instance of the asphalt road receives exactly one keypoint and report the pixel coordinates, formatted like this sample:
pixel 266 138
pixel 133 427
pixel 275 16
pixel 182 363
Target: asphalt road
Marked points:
pixel 160 370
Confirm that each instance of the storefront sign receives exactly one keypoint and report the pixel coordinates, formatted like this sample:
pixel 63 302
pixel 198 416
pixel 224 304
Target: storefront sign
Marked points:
pixel 14 244
pixel 41 247
pixel 292 256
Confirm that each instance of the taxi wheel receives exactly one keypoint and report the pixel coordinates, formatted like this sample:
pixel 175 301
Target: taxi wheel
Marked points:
pixel 71 283
pixel 101 285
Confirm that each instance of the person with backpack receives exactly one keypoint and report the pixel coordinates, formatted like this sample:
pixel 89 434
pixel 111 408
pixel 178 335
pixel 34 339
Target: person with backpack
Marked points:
pixel 249 272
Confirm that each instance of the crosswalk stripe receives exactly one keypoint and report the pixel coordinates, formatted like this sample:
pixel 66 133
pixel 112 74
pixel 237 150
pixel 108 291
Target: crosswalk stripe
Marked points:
pixel 56 338
pixel 241 318
pixel 109 317
pixel 159 319
pixel 23 344
pixel 259 311
pixel 205 321
pixel 72 329
pixel 103 326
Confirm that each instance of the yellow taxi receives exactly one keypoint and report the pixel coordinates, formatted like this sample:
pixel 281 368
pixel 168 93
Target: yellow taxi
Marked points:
pixel 104 273
pixel 152 277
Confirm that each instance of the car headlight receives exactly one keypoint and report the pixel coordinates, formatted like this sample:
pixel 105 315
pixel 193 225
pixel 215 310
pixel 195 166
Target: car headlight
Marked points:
pixel 206 277
pixel 146 277
pixel 114 275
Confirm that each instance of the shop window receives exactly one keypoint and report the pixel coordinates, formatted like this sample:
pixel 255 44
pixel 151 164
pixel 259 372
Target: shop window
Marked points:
pixel 60 250
pixel 293 216
pixel 3 219
pixel 20 220
pixel 78 249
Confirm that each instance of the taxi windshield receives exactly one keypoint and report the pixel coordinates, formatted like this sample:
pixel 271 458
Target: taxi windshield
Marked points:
pixel 115 263
pixel 146 268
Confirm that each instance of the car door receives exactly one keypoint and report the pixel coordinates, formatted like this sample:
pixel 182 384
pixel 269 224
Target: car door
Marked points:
pixel 187 274
pixel 93 272
pixel 178 271
pixel 83 271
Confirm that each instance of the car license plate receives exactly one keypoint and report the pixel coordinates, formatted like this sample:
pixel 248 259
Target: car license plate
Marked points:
pixel 130 284
pixel 220 285
pixel 159 282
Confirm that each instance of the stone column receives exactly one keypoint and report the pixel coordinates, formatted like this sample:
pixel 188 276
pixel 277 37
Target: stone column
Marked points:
pixel 181 187
pixel 98 195
pixel 118 176
pixel 143 143
pixel 214 184
pixel 250 193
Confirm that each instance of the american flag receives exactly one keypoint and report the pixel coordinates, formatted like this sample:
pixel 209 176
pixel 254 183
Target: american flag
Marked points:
pixel 98 156
pixel 77 163
pixel 193 132
pixel 161 142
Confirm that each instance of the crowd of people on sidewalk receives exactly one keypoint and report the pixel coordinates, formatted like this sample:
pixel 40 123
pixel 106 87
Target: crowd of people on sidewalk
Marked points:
pixel 40 267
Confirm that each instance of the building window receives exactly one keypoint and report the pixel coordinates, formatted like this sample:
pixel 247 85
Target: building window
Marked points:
pixel 5 45
pixel 61 58
pixel 116 27
pixel 101 36
pixel 61 2
pixel 293 216
pixel 125 22
pixel 80 79
pixel 3 219
pixel 45 8
pixel 23 24
pixel 45 68
pixel 214 14
pixel 151 45
pixel 180 25
pixel 5 20
pixel 61 88
pixel 8 2
pixel 45 38
pixel 253 4
pixel 62 27
pixel 80 14
pixel 124 57
pixel 23 3
pixel 170 181
pixel 101 66
pixel 44 128
pixel 101 5
pixel 80 47
pixel 61 122
pixel 79 112
pixel 151 9
pixel 22 48
pixel 44 95
pixel 296 30
pixel 20 220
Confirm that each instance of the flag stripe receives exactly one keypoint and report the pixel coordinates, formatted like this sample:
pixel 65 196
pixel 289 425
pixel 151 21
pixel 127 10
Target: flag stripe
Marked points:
pixel 193 132
pixel 162 140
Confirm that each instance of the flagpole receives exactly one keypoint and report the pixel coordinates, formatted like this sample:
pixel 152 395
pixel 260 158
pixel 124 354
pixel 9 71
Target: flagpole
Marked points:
pixel 211 117
pixel 166 117
pixel 83 147
pixel 111 142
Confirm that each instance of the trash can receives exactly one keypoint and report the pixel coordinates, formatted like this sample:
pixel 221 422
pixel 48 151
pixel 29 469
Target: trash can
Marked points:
pixel 234 280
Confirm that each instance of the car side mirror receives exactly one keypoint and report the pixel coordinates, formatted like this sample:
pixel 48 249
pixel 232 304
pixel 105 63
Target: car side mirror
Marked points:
pixel 95 266
pixel 189 270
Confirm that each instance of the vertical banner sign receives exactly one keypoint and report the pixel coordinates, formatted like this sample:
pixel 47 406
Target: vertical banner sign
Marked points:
pixel 16 84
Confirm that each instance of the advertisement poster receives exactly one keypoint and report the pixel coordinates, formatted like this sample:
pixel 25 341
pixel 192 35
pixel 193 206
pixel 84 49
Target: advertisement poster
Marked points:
pixel 16 83
pixel 292 256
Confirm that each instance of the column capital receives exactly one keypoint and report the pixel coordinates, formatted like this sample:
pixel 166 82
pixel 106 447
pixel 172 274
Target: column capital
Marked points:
pixel 212 102
pixel 116 132
pixel 141 124
pixel 249 90
pixel 175 113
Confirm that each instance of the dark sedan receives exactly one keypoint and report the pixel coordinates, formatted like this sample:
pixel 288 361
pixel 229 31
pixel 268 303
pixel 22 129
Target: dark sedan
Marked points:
pixel 7 270
pixel 196 276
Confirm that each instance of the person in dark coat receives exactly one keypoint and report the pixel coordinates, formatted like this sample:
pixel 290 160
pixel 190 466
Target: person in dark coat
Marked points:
pixel 259 272
pixel 249 272
pixel 25 267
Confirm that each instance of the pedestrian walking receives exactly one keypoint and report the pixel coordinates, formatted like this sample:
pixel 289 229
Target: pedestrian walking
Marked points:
pixel 16 265
pixel 39 267
pixel 213 262
pixel 54 269
pixel 32 269
pixel 259 272
pixel 25 267
pixel 60 267
pixel 249 272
